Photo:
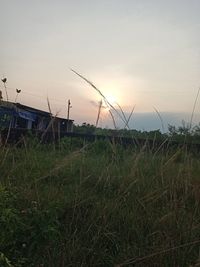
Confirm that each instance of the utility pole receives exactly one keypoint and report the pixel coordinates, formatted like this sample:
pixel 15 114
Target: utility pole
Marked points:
pixel 68 110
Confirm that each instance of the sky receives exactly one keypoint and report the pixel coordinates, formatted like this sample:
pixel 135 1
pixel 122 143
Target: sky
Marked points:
pixel 139 53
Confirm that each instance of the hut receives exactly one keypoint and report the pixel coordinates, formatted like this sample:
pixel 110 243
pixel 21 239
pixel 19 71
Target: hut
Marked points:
pixel 18 116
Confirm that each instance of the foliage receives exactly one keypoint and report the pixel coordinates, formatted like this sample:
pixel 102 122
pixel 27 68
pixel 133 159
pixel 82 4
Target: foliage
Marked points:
pixel 5 120
pixel 85 128
pixel 183 133
pixel 98 204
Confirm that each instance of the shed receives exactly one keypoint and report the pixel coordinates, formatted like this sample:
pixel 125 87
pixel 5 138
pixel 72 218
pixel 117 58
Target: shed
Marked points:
pixel 18 116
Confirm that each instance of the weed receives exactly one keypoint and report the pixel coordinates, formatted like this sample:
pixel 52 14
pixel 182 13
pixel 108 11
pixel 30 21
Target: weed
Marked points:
pixel 98 204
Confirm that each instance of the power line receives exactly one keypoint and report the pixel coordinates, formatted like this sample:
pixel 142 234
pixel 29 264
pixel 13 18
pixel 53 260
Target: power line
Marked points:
pixel 39 96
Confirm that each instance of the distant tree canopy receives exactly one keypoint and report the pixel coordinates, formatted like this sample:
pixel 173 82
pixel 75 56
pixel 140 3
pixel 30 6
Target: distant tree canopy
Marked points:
pixel 175 133
pixel 85 128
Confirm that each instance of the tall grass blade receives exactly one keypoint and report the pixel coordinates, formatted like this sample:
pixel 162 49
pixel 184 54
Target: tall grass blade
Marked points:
pixel 129 117
pixel 194 107
pixel 161 120
pixel 113 119
pixel 101 94
pixel 99 112
pixel 123 114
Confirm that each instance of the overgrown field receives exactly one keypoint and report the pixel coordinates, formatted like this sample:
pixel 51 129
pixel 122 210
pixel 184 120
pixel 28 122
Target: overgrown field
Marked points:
pixel 98 204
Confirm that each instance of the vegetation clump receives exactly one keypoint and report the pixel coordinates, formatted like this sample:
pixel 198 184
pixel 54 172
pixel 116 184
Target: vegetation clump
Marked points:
pixel 77 203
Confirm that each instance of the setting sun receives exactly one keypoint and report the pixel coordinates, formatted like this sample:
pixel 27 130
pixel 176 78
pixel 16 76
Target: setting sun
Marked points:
pixel 111 99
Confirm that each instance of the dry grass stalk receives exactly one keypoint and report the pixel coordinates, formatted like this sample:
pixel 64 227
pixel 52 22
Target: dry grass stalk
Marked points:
pixel 193 110
pixel 161 120
pixel 113 119
pixel 121 114
pixel 129 117
pixel 4 80
pixel 51 123
pixel 120 108
pixel 99 112
pixel 164 251
pixel 66 160
pixel 124 116
pixel 101 94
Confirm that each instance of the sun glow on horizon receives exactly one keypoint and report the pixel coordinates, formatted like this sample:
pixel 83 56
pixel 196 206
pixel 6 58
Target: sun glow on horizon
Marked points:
pixel 111 99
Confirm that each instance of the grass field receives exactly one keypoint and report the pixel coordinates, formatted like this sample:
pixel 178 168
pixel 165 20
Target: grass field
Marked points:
pixel 98 204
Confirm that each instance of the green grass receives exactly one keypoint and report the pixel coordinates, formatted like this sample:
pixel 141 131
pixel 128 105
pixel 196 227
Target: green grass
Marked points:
pixel 98 204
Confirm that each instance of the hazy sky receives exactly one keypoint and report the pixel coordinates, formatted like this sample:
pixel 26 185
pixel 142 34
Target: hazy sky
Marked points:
pixel 137 52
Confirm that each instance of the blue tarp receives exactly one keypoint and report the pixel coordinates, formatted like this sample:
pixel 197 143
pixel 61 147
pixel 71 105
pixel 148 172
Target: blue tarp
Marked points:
pixel 27 115
pixel 22 114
